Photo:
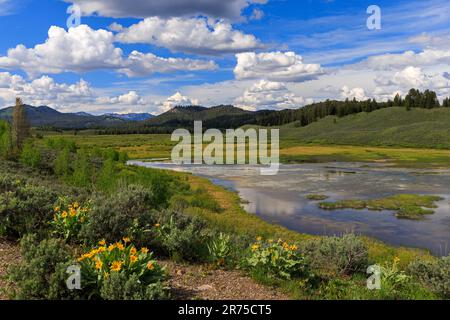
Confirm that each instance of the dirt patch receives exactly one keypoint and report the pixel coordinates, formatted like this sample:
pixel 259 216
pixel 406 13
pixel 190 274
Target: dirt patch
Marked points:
pixel 194 282
pixel 9 256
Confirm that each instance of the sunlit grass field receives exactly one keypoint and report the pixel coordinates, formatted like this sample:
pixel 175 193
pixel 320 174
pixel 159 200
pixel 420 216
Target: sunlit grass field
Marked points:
pixel 142 146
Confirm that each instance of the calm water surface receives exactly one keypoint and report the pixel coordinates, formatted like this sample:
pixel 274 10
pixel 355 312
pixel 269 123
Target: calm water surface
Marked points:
pixel 282 199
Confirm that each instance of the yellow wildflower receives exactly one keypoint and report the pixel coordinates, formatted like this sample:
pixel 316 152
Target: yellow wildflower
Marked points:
pixel 294 247
pixel 76 205
pixel 111 247
pixel 150 266
pixel 144 250
pixel 56 209
pixel 116 266
pixel 73 212
pixel 133 259
pixel 101 249
pixel 64 214
pixel 102 242
pixel 98 264
pixel 258 238
pixel 255 247
pixel 106 274
pixel 133 251
pixel 120 246
pixel 157 225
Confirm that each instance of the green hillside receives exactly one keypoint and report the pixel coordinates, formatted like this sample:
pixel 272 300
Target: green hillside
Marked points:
pixel 427 128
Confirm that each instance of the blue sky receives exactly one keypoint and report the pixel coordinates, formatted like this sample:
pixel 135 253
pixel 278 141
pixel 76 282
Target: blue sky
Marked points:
pixel 257 54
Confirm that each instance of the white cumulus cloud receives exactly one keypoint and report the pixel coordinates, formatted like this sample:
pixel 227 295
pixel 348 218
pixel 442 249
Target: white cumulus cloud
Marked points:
pixel 270 95
pixel 355 93
pixel 176 100
pixel 199 36
pixel 275 66
pixel 83 49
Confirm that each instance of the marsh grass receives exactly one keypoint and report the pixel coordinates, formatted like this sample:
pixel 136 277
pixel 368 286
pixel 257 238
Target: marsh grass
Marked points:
pixel 407 206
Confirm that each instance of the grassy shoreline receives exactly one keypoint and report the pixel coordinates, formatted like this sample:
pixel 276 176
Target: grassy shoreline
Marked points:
pixel 236 220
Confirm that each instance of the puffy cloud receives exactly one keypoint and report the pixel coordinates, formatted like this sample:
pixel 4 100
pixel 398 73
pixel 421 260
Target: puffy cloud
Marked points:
pixel 140 64
pixel 176 100
pixel 410 77
pixel 270 95
pixel 79 96
pixel 275 66
pixel 415 77
pixel 355 93
pixel 427 57
pixel 174 8
pixel 83 49
pixel 78 49
pixel 44 90
pixel 130 98
pixel 200 36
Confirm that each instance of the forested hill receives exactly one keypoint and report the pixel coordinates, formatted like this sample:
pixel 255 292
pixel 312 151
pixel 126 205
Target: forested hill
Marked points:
pixel 418 127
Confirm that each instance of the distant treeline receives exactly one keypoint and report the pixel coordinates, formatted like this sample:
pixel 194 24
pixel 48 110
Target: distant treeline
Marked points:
pixel 303 116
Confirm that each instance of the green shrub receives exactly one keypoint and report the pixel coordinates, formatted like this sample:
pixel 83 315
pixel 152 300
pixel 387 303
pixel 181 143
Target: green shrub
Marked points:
pixel 162 184
pixel 24 208
pixel 42 273
pixel 107 178
pixel 62 164
pixel 68 219
pixel 331 256
pixel 435 275
pixel 277 259
pixel 118 215
pixel 120 287
pixel 30 155
pixel 219 249
pixel 5 139
pixel 82 170
pixel 179 236
pixel 355 289
pixel 60 144
pixel 120 271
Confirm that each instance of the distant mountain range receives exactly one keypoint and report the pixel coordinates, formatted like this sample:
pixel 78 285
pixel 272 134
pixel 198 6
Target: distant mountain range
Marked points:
pixel 44 116
pixel 217 117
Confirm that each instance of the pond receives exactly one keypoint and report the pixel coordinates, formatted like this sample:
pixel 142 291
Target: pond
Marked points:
pixel 281 199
